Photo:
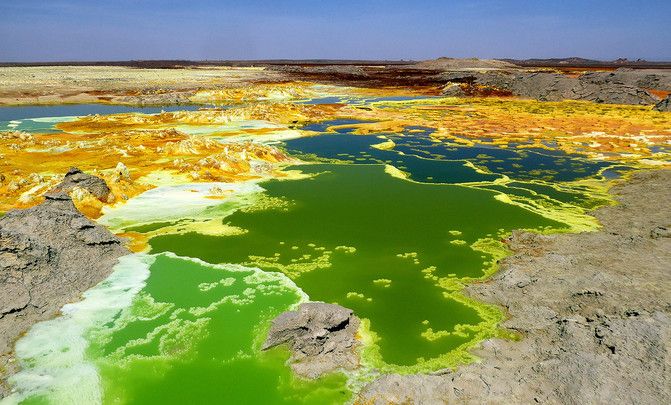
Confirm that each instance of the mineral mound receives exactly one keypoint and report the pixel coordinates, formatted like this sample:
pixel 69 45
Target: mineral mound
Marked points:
pixel 93 184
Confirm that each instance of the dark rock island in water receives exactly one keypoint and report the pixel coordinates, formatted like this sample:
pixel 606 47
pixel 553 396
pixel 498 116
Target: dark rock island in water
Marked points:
pixel 322 338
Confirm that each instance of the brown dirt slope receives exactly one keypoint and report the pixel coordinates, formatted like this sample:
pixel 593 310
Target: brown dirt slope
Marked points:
pixel 463 63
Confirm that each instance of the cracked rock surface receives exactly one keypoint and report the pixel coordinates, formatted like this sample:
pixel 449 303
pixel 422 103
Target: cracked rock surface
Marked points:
pixel 49 255
pixel 321 337
pixel 593 311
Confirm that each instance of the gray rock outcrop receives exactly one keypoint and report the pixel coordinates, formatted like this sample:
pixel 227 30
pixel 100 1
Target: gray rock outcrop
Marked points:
pixel 664 105
pixel 93 184
pixel 655 79
pixel 474 77
pixel 453 90
pixel 49 255
pixel 321 337
pixel 546 86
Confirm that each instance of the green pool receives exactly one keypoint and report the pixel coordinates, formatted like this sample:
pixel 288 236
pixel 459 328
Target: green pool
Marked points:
pixel 394 235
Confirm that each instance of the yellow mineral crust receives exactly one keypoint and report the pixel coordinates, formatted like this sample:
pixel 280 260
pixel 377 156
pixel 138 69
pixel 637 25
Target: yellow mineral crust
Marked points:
pixel 259 92
pixel 298 90
pixel 32 164
pixel 596 130
pixel 160 143
pixel 276 116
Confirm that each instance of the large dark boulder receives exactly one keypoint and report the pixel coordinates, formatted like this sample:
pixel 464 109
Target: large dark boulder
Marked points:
pixel 93 184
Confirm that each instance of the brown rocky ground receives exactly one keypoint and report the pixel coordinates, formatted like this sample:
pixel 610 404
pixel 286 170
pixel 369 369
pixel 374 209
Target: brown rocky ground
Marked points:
pixel 180 84
pixel 593 311
pixel 118 84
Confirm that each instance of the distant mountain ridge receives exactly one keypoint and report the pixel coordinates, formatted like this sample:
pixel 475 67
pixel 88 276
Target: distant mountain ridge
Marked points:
pixel 431 64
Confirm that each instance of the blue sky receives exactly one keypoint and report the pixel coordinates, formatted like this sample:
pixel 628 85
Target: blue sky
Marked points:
pixel 52 30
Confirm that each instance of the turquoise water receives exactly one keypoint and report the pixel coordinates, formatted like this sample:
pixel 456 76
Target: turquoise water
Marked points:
pixel 42 119
pixel 72 110
pixel 428 160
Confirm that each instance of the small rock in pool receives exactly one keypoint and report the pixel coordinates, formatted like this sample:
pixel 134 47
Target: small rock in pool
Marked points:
pixel 322 338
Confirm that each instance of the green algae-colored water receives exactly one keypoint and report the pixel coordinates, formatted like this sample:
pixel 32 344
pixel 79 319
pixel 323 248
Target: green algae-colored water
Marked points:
pixel 392 234
pixel 354 235
pixel 193 333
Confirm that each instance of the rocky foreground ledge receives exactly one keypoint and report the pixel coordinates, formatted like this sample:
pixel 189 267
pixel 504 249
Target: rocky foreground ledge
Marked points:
pixel 49 255
pixel 593 311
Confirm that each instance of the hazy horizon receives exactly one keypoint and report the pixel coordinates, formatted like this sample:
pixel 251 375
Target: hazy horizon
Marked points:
pixel 79 30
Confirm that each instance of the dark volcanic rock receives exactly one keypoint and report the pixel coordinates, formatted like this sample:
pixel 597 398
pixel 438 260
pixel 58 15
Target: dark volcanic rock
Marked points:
pixel 93 184
pixel 664 105
pixel 545 86
pixel 655 79
pixel 322 338
pixel 49 255
pixel 485 78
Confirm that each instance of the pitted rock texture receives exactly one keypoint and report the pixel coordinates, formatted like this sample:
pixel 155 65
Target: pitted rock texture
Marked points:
pixel 93 184
pixel 49 255
pixel 593 311
pixel 321 337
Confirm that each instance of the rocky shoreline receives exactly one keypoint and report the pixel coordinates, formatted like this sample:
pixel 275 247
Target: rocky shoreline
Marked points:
pixel 49 255
pixel 593 312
